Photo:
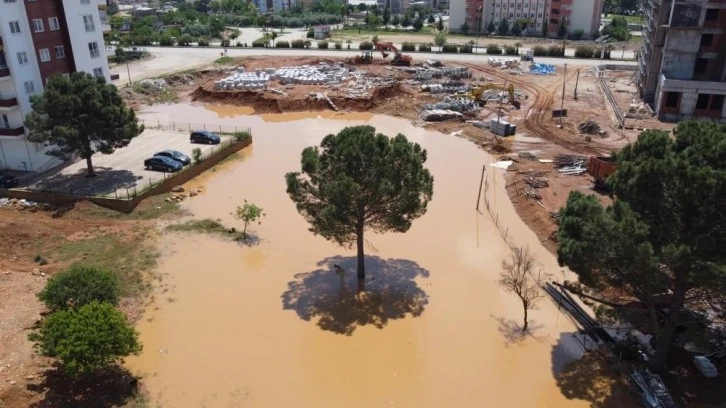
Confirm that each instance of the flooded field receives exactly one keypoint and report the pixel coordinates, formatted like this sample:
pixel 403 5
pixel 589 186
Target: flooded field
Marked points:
pixel 271 325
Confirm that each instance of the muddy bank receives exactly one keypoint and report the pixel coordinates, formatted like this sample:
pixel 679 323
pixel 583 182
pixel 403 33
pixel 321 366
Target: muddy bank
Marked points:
pixel 272 325
pixel 267 102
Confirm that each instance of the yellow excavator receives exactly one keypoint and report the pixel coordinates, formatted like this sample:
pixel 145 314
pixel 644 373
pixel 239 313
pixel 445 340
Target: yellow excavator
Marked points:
pixel 476 93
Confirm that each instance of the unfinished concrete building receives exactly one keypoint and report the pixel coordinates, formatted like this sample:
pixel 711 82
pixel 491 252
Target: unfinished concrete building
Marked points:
pixel 682 64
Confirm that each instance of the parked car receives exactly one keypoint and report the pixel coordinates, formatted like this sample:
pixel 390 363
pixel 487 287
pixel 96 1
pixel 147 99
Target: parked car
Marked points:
pixel 7 180
pixel 162 163
pixel 175 155
pixel 204 136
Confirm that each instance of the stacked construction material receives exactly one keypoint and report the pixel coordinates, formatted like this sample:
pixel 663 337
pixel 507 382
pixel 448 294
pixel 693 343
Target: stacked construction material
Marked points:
pixel 502 128
pixel 542 69
pixel 438 115
pixel 455 104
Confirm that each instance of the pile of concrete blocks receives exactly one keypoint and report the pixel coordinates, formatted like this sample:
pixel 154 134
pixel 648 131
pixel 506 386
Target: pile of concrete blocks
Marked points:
pixel 244 80
pixel 438 115
pixel 455 104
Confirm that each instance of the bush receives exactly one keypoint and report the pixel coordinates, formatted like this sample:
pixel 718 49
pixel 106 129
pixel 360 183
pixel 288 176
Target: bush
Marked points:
pixel 493 49
pixel 241 136
pixel 323 45
pixel 338 45
pixel 224 43
pixel 365 45
pixel 185 40
pixel 407 46
pixel 297 43
pixel 539 51
pixel 556 51
pixel 311 33
pixel 166 40
pixel 86 339
pixel 239 44
pixel 584 51
pixel 466 48
pixel 259 43
pixel 80 285
pixel 197 154
pixel 203 42
pixel 424 47
pixel 450 48
pixel 578 34
pixel 510 50
pixel 282 44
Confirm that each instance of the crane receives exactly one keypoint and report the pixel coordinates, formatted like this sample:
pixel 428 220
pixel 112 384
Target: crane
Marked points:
pixel 398 57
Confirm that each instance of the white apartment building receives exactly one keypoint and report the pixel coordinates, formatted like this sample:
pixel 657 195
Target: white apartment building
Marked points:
pixel 38 39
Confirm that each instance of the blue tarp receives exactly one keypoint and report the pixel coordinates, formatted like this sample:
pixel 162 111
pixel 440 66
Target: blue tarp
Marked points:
pixel 542 69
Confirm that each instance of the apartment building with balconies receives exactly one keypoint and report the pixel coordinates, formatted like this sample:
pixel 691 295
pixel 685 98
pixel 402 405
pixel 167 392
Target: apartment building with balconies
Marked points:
pixel 535 16
pixel 38 39
pixel 682 63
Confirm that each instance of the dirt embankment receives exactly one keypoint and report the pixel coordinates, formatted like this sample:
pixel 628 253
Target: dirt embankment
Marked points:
pixel 268 102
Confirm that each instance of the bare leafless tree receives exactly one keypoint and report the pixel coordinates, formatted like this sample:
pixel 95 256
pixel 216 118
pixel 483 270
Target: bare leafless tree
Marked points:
pixel 521 276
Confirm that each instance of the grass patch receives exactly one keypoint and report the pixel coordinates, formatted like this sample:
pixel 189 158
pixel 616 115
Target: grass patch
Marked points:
pixel 206 226
pixel 152 96
pixel 629 19
pixel 224 60
pixel 149 209
pixel 127 257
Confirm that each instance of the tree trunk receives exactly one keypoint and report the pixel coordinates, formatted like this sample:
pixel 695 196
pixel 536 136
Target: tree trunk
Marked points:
pixel 526 310
pixel 664 339
pixel 361 261
pixel 89 165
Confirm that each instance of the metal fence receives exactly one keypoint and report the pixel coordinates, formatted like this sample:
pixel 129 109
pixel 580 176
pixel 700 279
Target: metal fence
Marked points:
pixel 188 127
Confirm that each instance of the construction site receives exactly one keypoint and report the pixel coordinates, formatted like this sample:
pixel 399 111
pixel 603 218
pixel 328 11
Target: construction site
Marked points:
pixel 529 112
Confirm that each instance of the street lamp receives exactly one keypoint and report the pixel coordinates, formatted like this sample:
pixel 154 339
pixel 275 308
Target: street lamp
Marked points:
pixel 478 27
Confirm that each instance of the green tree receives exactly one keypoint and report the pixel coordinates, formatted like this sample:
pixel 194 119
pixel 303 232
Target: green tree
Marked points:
pixel 386 16
pixel 81 114
pixel 360 180
pixel 80 285
pixel 406 22
pixel 418 24
pixel 248 213
pixel 431 19
pixel 503 26
pixel 120 54
pixel 662 240
pixel 464 28
pixel 517 28
pixel 562 29
pixel 87 339
pixel 440 39
pixel 440 25
pixel 491 27
pixel 273 35
pixel 396 21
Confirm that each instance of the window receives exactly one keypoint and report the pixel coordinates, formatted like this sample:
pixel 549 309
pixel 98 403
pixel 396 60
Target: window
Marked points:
pixel 22 58
pixel 85 1
pixel 706 40
pixel 716 102
pixel 29 87
pixel 711 15
pixel 702 101
pixel 60 52
pixel 38 25
pixel 93 49
pixel 701 64
pixel 53 24
pixel 555 11
pixel 15 27
pixel 8 1
pixel 88 22
pixel 672 99
pixel 98 72
pixel 44 55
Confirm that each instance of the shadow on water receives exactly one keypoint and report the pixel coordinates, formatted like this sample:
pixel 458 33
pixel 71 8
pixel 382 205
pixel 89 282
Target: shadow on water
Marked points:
pixel 588 375
pixel 109 388
pixel 329 294
pixel 106 181
pixel 512 333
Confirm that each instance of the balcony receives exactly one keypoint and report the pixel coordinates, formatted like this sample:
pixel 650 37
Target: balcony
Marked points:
pixel 8 102
pixel 12 131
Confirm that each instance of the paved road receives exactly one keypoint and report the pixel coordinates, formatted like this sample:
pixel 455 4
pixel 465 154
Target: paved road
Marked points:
pixel 171 59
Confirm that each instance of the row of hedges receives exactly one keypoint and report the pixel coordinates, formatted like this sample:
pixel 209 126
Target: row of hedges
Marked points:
pixel 551 51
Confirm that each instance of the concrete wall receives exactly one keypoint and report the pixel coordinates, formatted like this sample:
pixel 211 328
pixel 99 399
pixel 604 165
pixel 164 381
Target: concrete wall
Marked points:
pixel 689 91
pixel 679 55
pixel 585 16
pixel 129 205
pixel 80 38
pixel 457 14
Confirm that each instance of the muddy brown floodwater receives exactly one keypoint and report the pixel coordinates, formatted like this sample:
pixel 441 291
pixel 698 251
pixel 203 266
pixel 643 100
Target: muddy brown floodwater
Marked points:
pixel 271 325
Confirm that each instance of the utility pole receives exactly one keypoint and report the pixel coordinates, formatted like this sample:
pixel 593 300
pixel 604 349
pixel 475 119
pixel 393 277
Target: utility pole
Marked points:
pixel 478 27
pixel 576 82
pixel 128 71
pixel 562 104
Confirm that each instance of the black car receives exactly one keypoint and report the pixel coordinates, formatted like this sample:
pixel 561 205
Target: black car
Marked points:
pixel 204 136
pixel 7 180
pixel 175 155
pixel 162 163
